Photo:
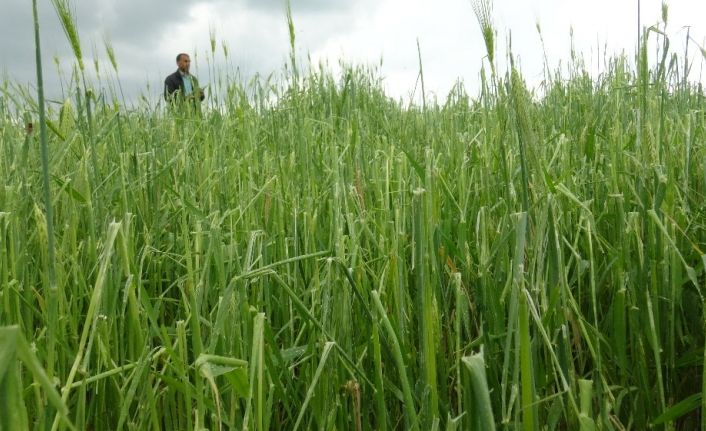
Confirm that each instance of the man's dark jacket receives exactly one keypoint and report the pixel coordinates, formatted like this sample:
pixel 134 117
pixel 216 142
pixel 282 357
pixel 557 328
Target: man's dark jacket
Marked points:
pixel 175 82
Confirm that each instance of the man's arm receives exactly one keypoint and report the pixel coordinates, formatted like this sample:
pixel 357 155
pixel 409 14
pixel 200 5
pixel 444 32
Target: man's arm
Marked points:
pixel 170 86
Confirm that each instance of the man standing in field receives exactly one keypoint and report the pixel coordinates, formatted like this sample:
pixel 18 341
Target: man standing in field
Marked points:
pixel 181 85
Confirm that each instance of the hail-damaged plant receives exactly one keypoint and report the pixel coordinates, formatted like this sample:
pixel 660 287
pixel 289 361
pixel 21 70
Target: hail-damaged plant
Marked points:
pixel 68 23
pixel 14 348
pixel 67 19
pixel 483 10
pixel 52 290
pixel 110 52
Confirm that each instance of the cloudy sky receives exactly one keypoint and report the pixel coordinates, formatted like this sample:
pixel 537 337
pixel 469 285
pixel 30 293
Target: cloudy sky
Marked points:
pixel 146 35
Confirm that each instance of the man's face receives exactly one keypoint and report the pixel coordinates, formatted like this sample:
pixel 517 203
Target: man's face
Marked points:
pixel 184 63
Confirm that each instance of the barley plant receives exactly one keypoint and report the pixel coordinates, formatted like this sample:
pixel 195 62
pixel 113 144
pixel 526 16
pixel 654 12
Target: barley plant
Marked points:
pixel 308 253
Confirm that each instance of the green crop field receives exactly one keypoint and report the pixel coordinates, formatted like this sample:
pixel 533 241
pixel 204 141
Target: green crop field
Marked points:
pixel 309 253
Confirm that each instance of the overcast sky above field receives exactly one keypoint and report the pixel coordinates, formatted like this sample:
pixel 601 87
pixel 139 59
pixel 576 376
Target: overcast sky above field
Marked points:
pixel 146 35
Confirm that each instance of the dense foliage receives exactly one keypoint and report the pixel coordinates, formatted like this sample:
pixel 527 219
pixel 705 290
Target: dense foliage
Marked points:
pixel 314 254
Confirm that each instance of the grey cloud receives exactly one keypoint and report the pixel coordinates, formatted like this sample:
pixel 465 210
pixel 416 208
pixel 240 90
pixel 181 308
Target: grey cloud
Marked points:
pixel 135 28
pixel 141 21
pixel 300 5
pixel 139 29
pixel 137 22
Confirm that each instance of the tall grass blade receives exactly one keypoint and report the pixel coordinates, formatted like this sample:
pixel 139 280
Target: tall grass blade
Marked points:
pixel 475 364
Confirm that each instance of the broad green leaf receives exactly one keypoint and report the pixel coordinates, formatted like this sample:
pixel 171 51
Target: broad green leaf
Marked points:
pixel 679 409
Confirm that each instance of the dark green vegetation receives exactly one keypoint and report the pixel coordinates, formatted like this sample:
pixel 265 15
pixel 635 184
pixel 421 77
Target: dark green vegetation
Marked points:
pixel 314 255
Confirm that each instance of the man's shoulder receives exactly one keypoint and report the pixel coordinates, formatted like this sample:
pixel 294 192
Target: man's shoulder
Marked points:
pixel 173 77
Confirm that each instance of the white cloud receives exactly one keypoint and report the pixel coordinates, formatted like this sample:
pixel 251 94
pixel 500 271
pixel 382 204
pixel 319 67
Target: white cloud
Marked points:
pixel 445 30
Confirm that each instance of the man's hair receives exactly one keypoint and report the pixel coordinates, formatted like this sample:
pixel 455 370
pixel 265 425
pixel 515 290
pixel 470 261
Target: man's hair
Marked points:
pixel 179 56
